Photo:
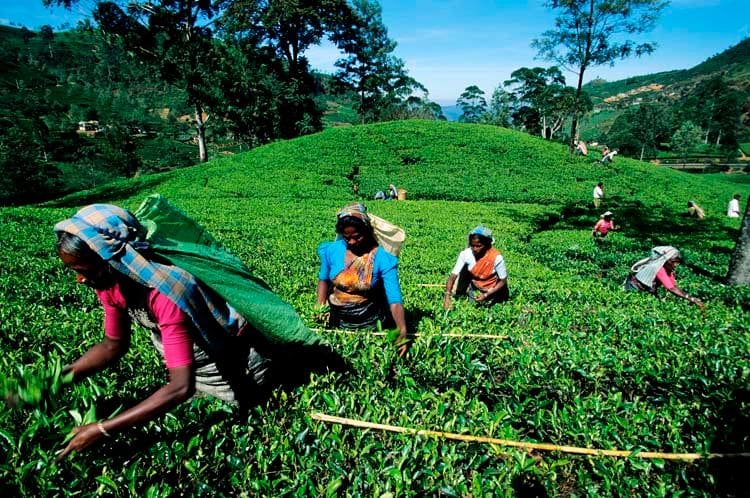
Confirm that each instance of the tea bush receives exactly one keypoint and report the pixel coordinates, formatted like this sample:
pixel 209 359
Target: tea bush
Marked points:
pixel 583 364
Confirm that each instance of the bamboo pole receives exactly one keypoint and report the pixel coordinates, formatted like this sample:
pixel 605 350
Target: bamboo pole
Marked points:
pixel 524 445
pixel 415 334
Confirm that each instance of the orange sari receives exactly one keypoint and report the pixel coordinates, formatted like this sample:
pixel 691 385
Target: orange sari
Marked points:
pixel 353 284
pixel 483 273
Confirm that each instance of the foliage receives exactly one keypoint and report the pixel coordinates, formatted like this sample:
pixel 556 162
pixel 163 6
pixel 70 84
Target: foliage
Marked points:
pixel 687 136
pixel 585 364
pixel 640 130
pixel 542 101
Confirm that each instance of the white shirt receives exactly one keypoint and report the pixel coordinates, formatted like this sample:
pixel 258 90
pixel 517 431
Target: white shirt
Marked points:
pixel 598 192
pixel 466 257
pixel 733 210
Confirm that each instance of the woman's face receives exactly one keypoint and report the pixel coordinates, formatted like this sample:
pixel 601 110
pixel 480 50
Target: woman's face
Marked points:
pixel 353 237
pixel 672 264
pixel 477 246
pixel 94 274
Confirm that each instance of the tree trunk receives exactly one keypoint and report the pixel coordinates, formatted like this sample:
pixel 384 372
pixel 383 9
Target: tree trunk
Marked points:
pixel 200 134
pixel 643 148
pixel 718 138
pixel 739 267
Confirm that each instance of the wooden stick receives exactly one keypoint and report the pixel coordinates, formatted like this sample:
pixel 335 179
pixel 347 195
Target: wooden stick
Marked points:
pixel 416 334
pixel 523 445
pixel 430 285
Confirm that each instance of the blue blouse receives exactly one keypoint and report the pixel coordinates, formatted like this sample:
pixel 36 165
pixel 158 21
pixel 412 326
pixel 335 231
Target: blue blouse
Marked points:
pixel 385 268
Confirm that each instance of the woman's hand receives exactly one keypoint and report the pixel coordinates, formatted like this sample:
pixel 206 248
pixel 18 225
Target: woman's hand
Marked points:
pixel 481 297
pixel 447 301
pixel 403 344
pixel 697 302
pixel 85 436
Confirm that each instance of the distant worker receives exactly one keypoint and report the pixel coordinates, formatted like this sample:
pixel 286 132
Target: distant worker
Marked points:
pixel 392 192
pixel 605 151
pixel 609 157
pixel 649 274
pixel 695 211
pixel 733 210
pixel 380 195
pixel 598 194
pixel 603 226
pixel 479 272
pixel 581 148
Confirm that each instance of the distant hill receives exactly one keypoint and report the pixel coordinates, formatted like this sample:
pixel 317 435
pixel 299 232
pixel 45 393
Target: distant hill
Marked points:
pixel 611 98
pixel 733 63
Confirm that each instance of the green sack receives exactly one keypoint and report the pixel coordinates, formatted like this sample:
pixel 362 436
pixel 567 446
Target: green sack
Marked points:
pixel 183 242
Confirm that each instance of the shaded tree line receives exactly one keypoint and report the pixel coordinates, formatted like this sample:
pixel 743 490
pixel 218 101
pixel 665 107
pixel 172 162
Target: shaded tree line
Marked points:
pixel 236 67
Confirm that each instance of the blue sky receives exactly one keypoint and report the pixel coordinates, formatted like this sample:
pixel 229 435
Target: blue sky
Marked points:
pixel 450 44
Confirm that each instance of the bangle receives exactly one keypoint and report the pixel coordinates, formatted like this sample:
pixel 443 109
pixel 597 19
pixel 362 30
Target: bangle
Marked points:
pixel 102 429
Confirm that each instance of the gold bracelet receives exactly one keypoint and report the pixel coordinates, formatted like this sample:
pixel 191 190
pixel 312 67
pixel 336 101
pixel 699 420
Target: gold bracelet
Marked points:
pixel 102 429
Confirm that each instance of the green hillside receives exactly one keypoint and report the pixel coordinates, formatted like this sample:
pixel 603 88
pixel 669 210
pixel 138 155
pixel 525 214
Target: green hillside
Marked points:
pixel 584 364
pixel 733 63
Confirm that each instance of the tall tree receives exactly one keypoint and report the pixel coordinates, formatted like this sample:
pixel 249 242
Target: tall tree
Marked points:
pixel 687 136
pixel 641 129
pixel 542 100
pixel 288 28
pixel 500 108
pixel 175 36
pixel 378 77
pixel 739 266
pixel 590 33
pixel 472 103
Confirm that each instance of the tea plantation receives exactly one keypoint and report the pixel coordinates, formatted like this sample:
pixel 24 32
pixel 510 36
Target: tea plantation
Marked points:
pixel 583 363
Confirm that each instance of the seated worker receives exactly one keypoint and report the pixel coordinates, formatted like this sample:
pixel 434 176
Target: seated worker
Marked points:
pixel 479 272
pixel 609 157
pixel 695 211
pixel 603 226
pixel 656 271
pixel 358 279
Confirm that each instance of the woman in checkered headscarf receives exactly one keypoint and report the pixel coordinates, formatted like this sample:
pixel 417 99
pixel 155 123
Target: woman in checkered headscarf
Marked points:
pixel 199 335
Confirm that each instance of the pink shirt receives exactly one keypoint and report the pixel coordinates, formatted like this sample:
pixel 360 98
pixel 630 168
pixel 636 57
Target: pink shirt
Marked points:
pixel 604 226
pixel 665 279
pixel 173 323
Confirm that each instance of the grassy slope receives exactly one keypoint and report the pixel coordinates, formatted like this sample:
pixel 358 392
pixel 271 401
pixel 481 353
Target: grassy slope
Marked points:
pixel 733 63
pixel 585 364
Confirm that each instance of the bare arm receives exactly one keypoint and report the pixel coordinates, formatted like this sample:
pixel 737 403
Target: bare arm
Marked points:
pixel 322 292
pixel 448 289
pixel 181 386
pixel 682 294
pixel 98 357
pixel 397 311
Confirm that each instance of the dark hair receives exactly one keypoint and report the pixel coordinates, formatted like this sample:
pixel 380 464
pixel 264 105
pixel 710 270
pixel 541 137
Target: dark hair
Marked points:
pixel 486 241
pixel 74 245
pixel 600 184
pixel 737 196
pixel 355 222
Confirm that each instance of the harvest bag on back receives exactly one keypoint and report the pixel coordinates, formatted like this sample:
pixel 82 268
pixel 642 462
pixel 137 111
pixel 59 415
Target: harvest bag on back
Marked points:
pixel 389 236
pixel 176 237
